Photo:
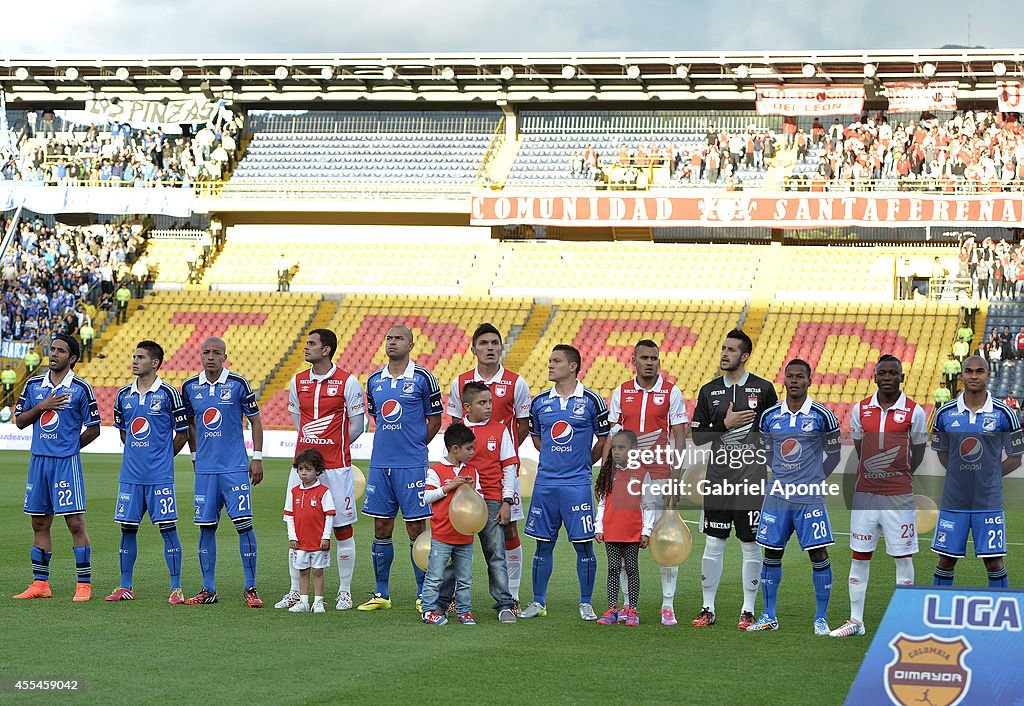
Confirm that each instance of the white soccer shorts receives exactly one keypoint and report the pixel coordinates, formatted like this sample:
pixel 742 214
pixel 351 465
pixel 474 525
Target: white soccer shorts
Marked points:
pixel 891 516
pixel 312 560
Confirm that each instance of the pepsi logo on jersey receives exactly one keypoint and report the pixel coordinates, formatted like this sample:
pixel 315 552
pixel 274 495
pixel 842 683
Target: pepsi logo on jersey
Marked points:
pixel 561 435
pixel 390 413
pixel 140 428
pixel 212 419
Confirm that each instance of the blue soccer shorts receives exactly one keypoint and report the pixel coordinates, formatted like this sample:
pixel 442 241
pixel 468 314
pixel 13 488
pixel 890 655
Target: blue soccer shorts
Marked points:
pixel 390 490
pixel 780 518
pixel 552 506
pixel 134 500
pixel 987 527
pixel 54 486
pixel 222 490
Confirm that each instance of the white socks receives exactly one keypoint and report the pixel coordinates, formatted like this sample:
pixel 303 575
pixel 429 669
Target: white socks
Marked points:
pixel 514 561
pixel 346 563
pixel 711 570
pixel 293 572
pixel 905 571
pixel 669 574
pixel 860 571
pixel 751 574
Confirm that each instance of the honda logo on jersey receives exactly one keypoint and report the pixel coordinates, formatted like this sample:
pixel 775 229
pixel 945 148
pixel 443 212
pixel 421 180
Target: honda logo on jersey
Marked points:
pixel 500 390
pixel 311 431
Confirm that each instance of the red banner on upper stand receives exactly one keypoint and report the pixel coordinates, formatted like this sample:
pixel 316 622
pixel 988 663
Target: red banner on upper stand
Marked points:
pixel 788 210
pixel 921 97
pixel 1008 93
pixel 809 100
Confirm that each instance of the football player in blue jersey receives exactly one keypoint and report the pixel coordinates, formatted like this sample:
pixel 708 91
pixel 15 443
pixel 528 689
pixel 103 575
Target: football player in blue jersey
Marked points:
pixel 564 422
pixel 216 402
pixel 404 400
pixel 150 415
pixel 61 409
pixel 978 440
pixel 802 445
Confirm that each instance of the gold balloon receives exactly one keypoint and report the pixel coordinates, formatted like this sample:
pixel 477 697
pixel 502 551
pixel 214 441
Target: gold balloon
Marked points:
pixel 358 482
pixel 421 549
pixel 467 510
pixel 691 484
pixel 671 541
pixel 527 476
pixel 927 514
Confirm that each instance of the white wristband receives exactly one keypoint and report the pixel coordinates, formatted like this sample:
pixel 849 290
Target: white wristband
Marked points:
pixel 257 455
pixel 193 454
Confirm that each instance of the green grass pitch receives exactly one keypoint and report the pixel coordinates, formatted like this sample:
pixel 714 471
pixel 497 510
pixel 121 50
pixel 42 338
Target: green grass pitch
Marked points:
pixel 148 652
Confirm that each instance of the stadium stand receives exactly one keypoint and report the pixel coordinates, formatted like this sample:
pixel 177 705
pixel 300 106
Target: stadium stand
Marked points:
pixel 388 148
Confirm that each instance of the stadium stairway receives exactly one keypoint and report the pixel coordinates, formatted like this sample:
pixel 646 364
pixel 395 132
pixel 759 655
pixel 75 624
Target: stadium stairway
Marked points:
pixel 766 282
pixel 484 269
pixel 539 318
pixel 280 378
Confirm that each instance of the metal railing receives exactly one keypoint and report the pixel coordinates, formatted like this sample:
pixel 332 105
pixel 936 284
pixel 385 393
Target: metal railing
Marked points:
pixel 814 183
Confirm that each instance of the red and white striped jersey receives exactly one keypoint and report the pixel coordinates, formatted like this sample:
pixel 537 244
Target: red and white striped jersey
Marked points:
pixel 885 437
pixel 510 396
pixel 324 405
pixel 650 414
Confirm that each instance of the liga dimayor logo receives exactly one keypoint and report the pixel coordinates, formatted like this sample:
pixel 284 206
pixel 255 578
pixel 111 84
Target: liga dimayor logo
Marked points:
pixel 928 670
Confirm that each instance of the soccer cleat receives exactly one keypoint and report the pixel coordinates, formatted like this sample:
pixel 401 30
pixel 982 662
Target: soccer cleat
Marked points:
pixel 344 601
pixel 746 620
pixel 821 627
pixel 121 594
pixel 705 619
pixel 587 612
pixel 204 597
pixel 36 589
pixel 668 617
pixel 851 628
pixel 252 599
pixel 435 618
pixel 622 616
pixel 176 597
pixel 83 592
pixel 609 618
pixel 288 600
pixel 632 618
pixel 377 602
pixel 300 607
pixel 505 615
pixel 467 619
pixel 764 623
pixel 534 610
pixel 318 606
pixel 517 608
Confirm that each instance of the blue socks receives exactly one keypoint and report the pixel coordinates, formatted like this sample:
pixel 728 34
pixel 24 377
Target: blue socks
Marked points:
pixel 172 553
pixel 821 575
pixel 83 563
pixel 382 552
pixel 942 577
pixel 542 565
pixel 128 553
pixel 40 564
pixel 771 577
pixel 208 556
pixel 997 579
pixel 419 573
pixel 247 548
pixel 586 569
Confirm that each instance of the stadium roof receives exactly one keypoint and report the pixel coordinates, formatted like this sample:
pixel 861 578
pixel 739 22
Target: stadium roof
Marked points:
pixel 263 79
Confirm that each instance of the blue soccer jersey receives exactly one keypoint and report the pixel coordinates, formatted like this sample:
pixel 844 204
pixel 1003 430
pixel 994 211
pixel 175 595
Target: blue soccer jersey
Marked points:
pixel 400 407
pixel 975 442
pixel 567 427
pixel 56 432
pixel 802 450
pixel 149 420
pixel 218 408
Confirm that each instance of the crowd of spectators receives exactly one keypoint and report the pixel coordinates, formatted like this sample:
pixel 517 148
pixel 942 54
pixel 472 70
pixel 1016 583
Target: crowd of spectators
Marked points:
pixel 996 269
pixel 56 280
pixel 119 155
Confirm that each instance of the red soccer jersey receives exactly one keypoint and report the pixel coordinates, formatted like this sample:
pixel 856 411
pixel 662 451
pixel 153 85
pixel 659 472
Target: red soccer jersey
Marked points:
pixel 885 439
pixel 492 453
pixel 620 515
pixel 440 475
pixel 510 396
pixel 324 406
pixel 310 507
pixel 650 414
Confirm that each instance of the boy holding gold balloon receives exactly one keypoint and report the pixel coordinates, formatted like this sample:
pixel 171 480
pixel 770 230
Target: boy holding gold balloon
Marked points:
pixel 443 480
